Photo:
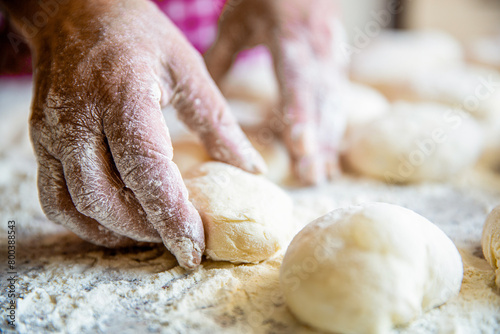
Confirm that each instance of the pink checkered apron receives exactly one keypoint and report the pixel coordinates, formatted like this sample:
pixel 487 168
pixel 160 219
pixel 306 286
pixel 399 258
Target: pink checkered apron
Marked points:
pixel 197 19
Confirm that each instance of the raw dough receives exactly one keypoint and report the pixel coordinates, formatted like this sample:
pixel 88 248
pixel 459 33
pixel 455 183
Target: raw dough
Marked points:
pixel 472 88
pixel 364 104
pixel 276 156
pixel 485 51
pixel 252 78
pixel 416 142
pixel 390 60
pixel 367 268
pixel 246 217
pixel 188 153
pixel 490 241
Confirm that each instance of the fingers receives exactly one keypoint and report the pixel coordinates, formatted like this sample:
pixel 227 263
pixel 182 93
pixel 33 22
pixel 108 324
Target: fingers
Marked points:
pixel 311 100
pixel 234 35
pixel 221 54
pixel 57 205
pixel 202 108
pixel 142 151
pixel 299 109
pixel 99 193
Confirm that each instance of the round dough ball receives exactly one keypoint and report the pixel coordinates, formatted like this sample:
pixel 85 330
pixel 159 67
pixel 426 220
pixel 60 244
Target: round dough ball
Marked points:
pixel 415 142
pixel 245 216
pixel 252 78
pixel 490 241
pixel 364 104
pixel 485 51
pixel 276 156
pixel 473 88
pixel 389 61
pixel 367 268
pixel 188 153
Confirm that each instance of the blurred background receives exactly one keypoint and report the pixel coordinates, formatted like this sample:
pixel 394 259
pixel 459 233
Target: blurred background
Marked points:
pixel 466 20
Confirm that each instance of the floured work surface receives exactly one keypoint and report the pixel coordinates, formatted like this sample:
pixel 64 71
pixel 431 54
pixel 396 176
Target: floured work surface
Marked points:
pixel 68 285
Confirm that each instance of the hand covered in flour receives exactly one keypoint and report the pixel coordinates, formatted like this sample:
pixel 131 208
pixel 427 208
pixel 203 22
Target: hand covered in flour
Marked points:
pixel 304 39
pixel 103 69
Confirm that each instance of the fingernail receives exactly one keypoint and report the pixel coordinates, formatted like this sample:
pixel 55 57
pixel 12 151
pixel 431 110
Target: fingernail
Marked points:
pixel 310 171
pixel 187 253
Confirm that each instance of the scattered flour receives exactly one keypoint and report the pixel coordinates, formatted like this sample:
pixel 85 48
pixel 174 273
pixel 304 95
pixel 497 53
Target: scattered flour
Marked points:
pixel 67 285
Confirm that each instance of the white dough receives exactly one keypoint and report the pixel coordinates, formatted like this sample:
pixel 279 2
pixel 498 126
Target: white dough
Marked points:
pixel 394 57
pixel 490 241
pixel 364 269
pixel 246 217
pixel 252 78
pixel 364 104
pixel 415 142
pixel 188 153
pixel 276 156
pixel 485 51
pixel 475 89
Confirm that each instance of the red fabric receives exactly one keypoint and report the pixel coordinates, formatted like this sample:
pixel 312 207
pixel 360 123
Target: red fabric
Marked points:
pixel 15 57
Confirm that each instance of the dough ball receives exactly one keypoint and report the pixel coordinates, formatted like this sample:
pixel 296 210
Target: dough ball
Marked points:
pixel 188 153
pixel 275 154
pixel 473 88
pixel 415 142
pixel 394 57
pixel 485 51
pixel 246 217
pixel 490 241
pixel 249 114
pixel 367 268
pixel 252 78
pixel 364 104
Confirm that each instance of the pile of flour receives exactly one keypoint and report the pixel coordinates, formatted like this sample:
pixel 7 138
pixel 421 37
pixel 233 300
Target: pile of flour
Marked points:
pixel 67 285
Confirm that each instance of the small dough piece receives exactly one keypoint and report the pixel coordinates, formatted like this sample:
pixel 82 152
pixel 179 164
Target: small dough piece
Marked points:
pixel 490 241
pixel 416 142
pixel 367 268
pixel 246 217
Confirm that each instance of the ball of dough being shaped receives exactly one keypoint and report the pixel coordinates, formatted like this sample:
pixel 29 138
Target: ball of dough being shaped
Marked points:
pixel 245 216
pixel 189 153
pixel 367 268
pixel 490 241
pixel 414 143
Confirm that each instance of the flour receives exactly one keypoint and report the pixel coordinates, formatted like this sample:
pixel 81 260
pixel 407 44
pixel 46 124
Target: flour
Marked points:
pixel 70 286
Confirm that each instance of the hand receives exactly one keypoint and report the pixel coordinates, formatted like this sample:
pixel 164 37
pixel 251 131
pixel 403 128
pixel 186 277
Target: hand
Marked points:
pixel 103 69
pixel 304 39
